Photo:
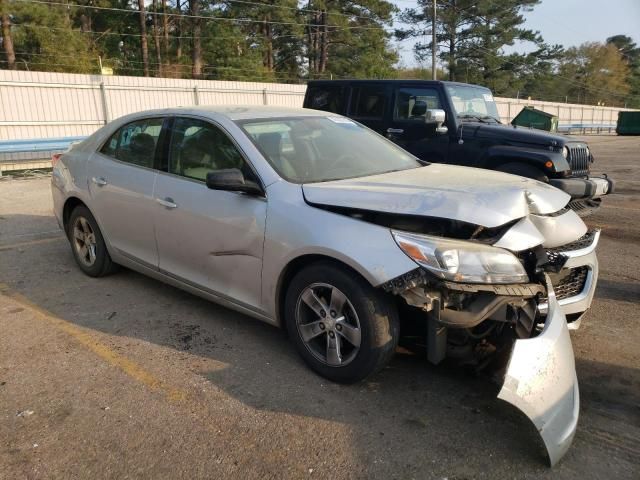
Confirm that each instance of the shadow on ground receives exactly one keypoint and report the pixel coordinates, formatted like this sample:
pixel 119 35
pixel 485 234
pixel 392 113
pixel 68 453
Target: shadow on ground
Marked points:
pixel 412 418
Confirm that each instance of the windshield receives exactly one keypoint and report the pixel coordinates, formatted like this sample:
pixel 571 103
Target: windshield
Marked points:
pixel 318 149
pixel 473 102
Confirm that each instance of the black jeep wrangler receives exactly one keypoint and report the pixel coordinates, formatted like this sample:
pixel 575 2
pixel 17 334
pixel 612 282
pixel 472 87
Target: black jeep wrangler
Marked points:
pixel 458 123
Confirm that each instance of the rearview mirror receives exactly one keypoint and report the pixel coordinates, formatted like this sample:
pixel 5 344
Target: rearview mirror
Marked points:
pixel 437 116
pixel 232 180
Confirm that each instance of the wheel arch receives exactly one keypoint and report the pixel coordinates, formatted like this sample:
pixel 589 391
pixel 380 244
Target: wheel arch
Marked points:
pixel 294 266
pixel 69 206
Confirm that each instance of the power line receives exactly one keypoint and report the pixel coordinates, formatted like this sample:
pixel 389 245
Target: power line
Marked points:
pixel 202 17
pixel 117 34
pixel 296 9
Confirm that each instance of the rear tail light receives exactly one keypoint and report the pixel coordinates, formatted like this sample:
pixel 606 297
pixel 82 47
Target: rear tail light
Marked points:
pixel 54 159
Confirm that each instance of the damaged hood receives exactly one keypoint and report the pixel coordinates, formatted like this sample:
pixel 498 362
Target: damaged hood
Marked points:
pixel 472 195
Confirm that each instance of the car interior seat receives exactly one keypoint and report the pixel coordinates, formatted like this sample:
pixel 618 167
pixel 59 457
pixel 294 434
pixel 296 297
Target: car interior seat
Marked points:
pixel 271 143
pixel 141 149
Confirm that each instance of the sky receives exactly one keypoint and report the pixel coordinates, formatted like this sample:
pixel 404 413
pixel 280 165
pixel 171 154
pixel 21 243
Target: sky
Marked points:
pixel 567 22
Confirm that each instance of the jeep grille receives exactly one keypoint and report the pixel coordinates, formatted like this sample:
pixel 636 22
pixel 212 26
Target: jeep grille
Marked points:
pixel 579 160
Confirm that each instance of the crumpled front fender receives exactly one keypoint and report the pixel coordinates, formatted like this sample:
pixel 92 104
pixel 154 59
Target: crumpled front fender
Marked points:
pixel 541 381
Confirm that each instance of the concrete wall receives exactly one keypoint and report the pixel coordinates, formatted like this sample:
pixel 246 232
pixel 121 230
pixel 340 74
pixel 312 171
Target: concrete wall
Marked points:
pixel 46 105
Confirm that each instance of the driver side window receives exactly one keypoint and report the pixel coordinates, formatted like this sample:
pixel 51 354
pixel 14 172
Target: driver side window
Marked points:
pixel 199 147
pixel 412 103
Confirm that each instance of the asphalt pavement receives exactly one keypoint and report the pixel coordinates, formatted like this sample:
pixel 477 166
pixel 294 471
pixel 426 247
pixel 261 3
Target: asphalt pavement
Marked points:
pixel 125 377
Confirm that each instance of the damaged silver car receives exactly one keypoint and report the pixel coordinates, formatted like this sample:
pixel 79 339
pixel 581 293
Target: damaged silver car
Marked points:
pixel 312 222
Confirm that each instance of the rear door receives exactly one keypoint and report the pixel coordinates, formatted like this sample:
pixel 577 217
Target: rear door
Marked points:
pixel 369 104
pixel 121 176
pixel 327 97
pixel 211 239
pixel 407 126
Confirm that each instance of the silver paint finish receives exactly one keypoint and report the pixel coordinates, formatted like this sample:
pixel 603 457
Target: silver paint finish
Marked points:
pixel 234 248
pixel 559 230
pixel 541 381
pixel 125 204
pixel 295 229
pixel 211 238
pixel 580 303
pixel 476 196
pixel 522 236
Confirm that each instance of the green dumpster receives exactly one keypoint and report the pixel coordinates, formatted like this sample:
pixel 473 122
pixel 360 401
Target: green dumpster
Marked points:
pixel 628 123
pixel 533 118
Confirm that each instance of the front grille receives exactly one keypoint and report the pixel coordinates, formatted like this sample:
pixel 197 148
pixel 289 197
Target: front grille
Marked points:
pixel 583 242
pixel 579 160
pixel 569 284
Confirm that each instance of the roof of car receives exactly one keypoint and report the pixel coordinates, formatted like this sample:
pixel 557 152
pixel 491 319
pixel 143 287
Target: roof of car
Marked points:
pixel 239 112
pixel 394 81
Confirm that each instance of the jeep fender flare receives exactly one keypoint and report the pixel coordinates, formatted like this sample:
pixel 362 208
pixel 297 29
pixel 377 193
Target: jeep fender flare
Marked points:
pixel 535 157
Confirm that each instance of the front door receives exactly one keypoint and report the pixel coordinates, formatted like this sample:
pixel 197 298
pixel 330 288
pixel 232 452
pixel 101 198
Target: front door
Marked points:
pixel 121 181
pixel 408 128
pixel 212 239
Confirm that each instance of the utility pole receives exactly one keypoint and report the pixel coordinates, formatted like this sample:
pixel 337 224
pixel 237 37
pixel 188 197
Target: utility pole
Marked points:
pixel 433 43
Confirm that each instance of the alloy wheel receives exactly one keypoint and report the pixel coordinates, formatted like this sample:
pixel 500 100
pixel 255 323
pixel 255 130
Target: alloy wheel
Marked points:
pixel 328 324
pixel 84 241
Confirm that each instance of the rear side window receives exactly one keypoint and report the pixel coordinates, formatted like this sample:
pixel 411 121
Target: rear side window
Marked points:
pixel 326 98
pixel 412 103
pixel 368 102
pixel 135 142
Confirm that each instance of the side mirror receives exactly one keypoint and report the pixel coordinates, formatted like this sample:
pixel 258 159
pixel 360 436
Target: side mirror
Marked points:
pixel 437 116
pixel 232 180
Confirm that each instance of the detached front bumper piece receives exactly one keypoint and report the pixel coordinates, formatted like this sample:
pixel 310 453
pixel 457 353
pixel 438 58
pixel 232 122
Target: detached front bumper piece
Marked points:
pixel 541 381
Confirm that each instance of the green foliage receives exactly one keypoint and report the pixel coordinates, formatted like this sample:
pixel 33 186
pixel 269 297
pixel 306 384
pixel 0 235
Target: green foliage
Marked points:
pixel 472 36
pixel 291 41
pixel 630 53
pixel 276 40
pixel 44 39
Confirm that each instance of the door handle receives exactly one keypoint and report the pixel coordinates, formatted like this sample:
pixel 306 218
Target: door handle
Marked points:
pixel 395 130
pixel 167 202
pixel 101 182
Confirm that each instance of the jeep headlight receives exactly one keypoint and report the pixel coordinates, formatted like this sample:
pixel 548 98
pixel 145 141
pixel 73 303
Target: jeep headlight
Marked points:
pixel 461 261
pixel 565 152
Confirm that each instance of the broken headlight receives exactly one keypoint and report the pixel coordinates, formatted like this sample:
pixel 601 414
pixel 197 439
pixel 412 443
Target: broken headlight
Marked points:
pixel 462 261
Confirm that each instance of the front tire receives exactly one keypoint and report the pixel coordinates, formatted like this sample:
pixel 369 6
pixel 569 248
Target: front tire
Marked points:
pixel 343 328
pixel 87 244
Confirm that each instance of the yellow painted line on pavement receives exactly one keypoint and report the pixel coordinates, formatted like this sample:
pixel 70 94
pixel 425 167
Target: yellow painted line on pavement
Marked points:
pixel 129 367
pixel 11 246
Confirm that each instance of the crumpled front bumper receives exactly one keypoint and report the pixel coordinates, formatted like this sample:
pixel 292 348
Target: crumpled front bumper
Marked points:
pixel 541 381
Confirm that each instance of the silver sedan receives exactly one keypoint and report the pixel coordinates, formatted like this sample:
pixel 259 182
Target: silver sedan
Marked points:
pixel 312 222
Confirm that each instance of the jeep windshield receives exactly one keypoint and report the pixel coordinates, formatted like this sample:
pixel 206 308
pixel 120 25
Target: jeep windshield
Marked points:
pixel 473 103
pixel 320 149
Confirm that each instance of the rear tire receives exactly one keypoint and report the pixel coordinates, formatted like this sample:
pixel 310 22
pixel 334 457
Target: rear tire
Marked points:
pixel 87 244
pixel 524 170
pixel 343 328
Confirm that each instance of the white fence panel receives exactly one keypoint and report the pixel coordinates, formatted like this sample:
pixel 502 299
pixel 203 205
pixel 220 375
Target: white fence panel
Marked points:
pixel 45 104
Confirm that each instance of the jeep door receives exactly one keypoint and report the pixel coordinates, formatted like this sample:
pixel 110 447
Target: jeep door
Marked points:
pixel 407 126
pixel 211 239
pixel 328 98
pixel 370 104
